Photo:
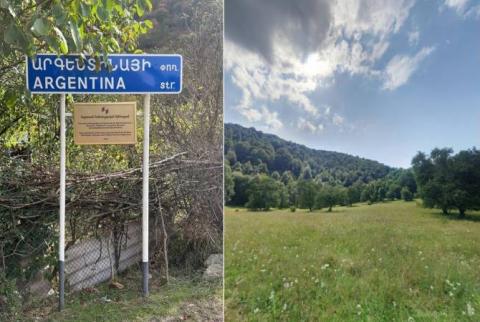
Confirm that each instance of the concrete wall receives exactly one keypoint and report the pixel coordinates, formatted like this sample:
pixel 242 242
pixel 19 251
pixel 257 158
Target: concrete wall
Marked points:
pixel 87 263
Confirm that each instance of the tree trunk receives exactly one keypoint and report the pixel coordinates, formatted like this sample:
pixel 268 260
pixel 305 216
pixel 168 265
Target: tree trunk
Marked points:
pixel 462 212
pixel 445 211
pixel 330 209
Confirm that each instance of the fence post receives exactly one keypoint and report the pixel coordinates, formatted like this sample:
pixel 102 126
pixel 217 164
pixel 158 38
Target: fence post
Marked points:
pixel 61 242
pixel 146 161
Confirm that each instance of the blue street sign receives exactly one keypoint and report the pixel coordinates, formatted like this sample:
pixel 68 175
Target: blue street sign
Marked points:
pixel 124 73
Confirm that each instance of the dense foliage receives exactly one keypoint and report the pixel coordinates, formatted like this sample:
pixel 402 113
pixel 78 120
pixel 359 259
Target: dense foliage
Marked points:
pixel 263 171
pixel 79 26
pixel 251 151
pixel 448 181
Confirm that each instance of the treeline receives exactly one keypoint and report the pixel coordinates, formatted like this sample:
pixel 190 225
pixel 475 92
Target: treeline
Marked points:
pixel 263 171
pixel 252 152
pixel 262 191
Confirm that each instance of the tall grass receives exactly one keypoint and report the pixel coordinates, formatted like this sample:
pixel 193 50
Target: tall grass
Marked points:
pixel 385 262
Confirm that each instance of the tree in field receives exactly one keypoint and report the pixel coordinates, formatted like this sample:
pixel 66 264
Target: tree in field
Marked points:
pixel 328 197
pixel 448 181
pixel 394 191
pixel 229 183
pixel 263 193
pixel 292 192
pixel 365 195
pixel 307 191
pixel 241 183
pixel 466 169
pixel 284 196
pixel 343 197
pixel 354 193
pixel 406 194
pixel 407 179
pixel 369 193
pixel 433 175
pixel 381 192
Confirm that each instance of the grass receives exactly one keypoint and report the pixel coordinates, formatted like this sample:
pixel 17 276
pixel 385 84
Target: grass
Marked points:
pixel 184 298
pixel 391 261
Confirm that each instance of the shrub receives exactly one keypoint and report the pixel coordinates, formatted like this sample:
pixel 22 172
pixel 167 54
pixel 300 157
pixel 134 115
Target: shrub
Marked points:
pixel 406 194
pixel 10 299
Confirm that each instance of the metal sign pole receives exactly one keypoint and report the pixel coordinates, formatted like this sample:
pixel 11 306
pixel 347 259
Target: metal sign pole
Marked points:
pixel 146 157
pixel 61 242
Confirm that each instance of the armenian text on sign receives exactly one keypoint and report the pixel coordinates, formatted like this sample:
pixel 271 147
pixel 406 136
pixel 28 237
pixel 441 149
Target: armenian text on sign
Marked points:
pixel 122 73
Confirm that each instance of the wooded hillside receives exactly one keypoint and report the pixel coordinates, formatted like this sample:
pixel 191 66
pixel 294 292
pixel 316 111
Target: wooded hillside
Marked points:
pixel 251 151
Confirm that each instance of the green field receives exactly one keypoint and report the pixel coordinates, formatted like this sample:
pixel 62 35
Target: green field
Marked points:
pixel 390 261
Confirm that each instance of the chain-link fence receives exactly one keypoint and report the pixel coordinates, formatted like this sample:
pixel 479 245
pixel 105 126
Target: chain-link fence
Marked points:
pixel 100 257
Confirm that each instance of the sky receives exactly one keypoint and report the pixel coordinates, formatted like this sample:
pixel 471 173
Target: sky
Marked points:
pixel 381 79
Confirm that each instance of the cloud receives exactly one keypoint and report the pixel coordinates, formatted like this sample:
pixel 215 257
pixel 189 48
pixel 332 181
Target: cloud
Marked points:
pixel 458 5
pixel 401 67
pixel 282 51
pixel 264 116
pixel 463 8
pixel 256 24
pixel 271 119
pixel 303 124
pixel 413 37
pixel 337 120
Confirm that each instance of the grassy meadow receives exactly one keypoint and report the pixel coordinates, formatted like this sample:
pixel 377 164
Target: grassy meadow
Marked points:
pixel 392 261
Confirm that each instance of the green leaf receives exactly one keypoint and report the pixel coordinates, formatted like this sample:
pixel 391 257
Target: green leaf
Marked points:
pixel 146 4
pixel 61 40
pixel 59 14
pixel 10 99
pixel 103 12
pixel 85 9
pixel 41 27
pixel 76 36
pixel 115 44
pixel 108 4
pixel 139 10
pixel 52 42
pixel 148 23
pixel 12 34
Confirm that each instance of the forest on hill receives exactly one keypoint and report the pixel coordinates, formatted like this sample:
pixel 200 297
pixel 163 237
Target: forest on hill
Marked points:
pixel 263 171
pixel 250 151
